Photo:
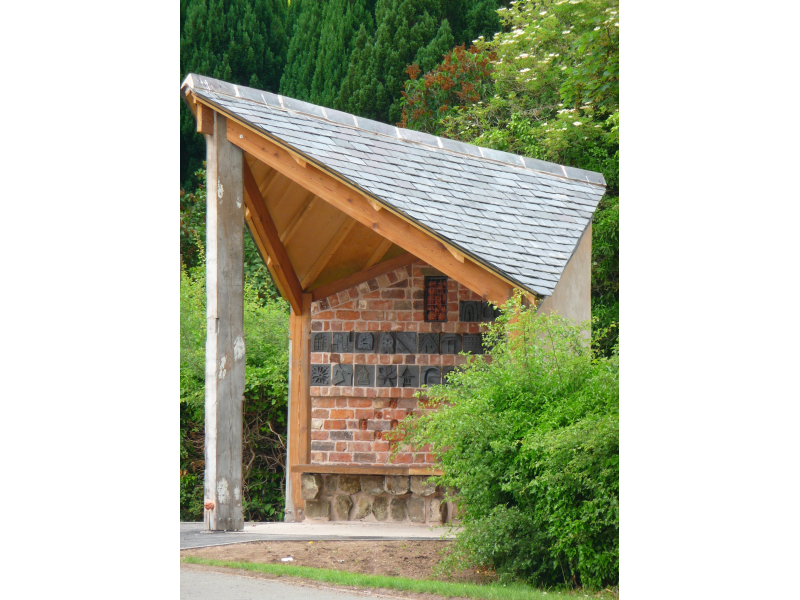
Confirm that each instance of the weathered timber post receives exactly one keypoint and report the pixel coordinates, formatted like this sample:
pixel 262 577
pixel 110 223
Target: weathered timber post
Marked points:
pixel 225 350
pixel 299 407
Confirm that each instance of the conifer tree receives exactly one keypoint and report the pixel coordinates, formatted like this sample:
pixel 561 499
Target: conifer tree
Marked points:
pixel 240 41
pixel 301 58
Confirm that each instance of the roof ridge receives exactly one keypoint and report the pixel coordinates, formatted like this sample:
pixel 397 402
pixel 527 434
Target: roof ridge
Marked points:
pixel 287 104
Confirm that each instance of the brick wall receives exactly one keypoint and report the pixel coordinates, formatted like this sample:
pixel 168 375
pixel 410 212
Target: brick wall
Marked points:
pixel 354 398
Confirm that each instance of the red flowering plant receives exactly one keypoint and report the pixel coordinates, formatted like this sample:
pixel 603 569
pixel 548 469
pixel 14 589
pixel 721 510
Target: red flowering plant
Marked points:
pixel 462 78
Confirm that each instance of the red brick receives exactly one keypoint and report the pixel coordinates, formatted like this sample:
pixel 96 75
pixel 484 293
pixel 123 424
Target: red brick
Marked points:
pixel 318 457
pixel 341 403
pixel 325 315
pixel 412 326
pixel 339 457
pixel 386 326
pixel 322 402
pixel 316 325
pixel 382 457
pixel 336 325
pixel 397 359
pixel 396 392
pixel 372 359
pixel 359 402
pixel 448 359
pixel 393 294
pixel 348 315
pixel 360 326
pixel 390 315
pixel 380 304
pixel 364 413
pixel 385 359
pixel 400 284
pixel 404 315
pixel 375 294
pixel 319 413
pixel 341 446
pixel 372 315
pixel 334 424
pixel 319 435
pixel 353 292
pixel 403 305
pixel 341 414
pixel 363 436
pixel 361 446
pixel 365 457
pixel 373 326
pixel 403 458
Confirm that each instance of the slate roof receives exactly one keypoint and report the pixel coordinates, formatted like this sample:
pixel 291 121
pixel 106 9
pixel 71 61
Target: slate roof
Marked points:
pixel 519 216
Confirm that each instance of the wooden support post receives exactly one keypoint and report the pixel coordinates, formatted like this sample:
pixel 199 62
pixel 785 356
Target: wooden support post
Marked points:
pixel 299 406
pixel 225 350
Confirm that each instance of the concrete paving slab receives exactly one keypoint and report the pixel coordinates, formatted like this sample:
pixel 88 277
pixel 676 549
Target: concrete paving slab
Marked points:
pixel 193 535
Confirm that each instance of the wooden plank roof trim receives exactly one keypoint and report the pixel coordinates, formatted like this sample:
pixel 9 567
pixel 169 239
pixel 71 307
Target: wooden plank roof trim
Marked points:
pixel 522 217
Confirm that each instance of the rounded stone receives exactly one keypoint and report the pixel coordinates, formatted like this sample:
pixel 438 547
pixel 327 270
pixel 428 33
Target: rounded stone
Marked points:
pixel 421 485
pixel 372 484
pixel 397 485
pixel 399 509
pixel 437 512
pixel 380 508
pixel 342 505
pixel 310 486
pixel 318 509
pixel 349 484
pixel 331 483
pixel 363 508
pixel 416 510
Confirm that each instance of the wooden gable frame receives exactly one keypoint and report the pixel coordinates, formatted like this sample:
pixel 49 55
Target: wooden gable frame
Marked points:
pixel 356 211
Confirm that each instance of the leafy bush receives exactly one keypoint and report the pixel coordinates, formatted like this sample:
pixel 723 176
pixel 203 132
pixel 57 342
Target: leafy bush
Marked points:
pixel 266 331
pixel 530 439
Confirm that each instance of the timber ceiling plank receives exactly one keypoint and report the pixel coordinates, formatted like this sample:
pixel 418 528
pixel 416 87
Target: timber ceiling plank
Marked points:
pixel 326 255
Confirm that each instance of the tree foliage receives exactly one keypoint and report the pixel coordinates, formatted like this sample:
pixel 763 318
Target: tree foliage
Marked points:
pixel 553 94
pixel 530 441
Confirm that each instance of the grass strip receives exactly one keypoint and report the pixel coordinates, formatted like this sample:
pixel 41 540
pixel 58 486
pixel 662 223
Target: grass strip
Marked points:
pixel 492 591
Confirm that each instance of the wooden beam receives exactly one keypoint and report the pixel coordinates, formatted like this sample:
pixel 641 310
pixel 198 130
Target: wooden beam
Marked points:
pixel 205 119
pixel 263 252
pixel 386 223
pixel 457 254
pixel 374 204
pixel 382 248
pixel 366 470
pixel 225 350
pixel 299 450
pixel 299 160
pixel 297 220
pixel 329 289
pixel 324 258
pixel 271 242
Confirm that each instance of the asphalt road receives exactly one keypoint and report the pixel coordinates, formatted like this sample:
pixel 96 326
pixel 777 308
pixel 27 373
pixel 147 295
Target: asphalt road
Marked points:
pixel 210 585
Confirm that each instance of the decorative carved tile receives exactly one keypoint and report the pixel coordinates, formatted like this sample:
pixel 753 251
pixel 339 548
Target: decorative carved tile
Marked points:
pixel 321 342
pixel 489 312
pixel 386 342
pixel 446 373
pixel 408 376
pixel 428 343
pixel 320 374
pixel 387 376
pixel 342 375
pixel 469 311
pixel 431 376
pixel 365 342
pixel 436 299
pixel 364 375
pixel 473 343
pixel 342 342
pixel 405 342
pixel 450 343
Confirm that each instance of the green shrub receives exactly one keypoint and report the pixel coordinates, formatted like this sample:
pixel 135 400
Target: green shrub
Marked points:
pixel 530 439
pixel 266 331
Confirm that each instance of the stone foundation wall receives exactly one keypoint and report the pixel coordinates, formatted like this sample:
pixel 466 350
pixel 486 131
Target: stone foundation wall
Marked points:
pixel 372 351
pixel 388 498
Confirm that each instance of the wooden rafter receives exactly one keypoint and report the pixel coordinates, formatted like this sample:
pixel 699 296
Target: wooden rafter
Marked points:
pixel 205 119
pixel 386 223
pixel 297 220
pixel 382 248
pixel 269 239
pixel 334 287
pixel 324 258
